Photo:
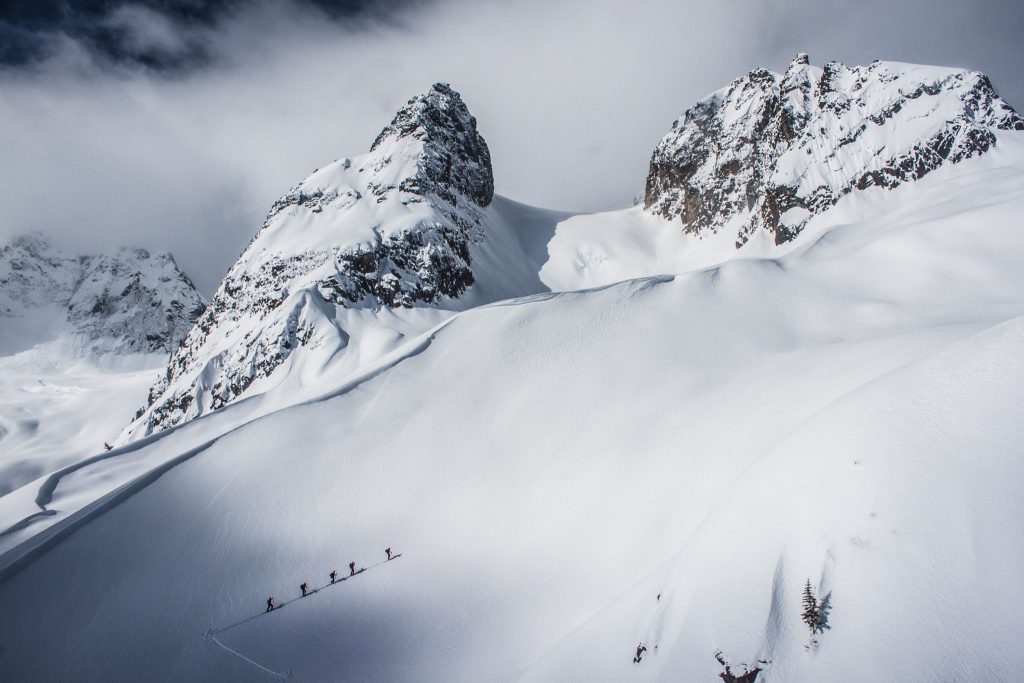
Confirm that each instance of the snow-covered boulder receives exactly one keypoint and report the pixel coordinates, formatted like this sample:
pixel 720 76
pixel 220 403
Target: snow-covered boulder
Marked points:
pixel 770 150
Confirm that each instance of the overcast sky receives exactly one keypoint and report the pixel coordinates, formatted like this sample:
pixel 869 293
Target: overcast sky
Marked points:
pixel 174 124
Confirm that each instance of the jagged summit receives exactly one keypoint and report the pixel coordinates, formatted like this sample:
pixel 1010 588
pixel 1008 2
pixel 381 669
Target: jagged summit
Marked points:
pixel 127 301
pixel 771 150
pixel 398 219
pixel 390 229
pixel 455 159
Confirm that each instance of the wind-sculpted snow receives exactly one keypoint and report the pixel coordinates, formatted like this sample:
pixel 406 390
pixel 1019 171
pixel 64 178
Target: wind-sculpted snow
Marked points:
pixel 130 301
pixel 770 150
pixel 391 229
pixel 664 461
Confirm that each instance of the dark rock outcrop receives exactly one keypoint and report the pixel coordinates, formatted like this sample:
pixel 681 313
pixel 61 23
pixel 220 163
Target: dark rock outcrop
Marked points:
pixel 455 160
pixel 770 150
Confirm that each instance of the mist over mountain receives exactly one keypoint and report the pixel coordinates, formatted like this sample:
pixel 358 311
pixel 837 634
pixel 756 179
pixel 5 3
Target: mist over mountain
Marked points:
pixel 126 302
pixel 187 158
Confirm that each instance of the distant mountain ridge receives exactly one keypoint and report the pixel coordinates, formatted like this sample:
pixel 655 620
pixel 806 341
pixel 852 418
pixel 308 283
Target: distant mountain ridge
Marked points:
pixel 127 301
pixel 770 150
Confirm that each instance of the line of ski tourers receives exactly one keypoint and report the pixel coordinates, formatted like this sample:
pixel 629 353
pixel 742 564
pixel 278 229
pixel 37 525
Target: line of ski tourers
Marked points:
pixel 304 587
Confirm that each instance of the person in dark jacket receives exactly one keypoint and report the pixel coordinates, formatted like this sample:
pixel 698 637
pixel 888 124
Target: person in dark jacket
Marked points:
pixel 334 575
pixel 352 568
pixel 270 603
pixel 303 587
pixel 388 551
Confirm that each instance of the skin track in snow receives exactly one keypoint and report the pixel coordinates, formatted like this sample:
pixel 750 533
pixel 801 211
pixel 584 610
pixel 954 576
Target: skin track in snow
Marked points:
pixel 213 633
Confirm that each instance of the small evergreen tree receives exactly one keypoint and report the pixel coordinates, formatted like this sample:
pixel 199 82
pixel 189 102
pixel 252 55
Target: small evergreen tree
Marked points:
pixel 812 613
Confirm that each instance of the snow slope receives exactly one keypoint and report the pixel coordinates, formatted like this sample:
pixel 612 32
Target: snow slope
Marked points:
pixel 846 412
pixel 51 419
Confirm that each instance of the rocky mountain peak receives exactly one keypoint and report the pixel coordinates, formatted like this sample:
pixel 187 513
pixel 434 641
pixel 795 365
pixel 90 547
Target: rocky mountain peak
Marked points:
pixel 389 229
pixel 771 150
pixel 454 159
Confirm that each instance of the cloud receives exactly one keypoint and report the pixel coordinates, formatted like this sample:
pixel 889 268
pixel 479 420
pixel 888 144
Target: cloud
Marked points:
pixel 145 31
pixel 571 97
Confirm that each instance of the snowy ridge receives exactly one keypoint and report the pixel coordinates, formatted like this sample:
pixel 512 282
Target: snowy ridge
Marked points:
pixel 771 150
pixel 130 301
pixel 393 228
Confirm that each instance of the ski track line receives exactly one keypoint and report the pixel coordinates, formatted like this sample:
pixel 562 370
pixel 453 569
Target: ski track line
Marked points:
pixel 213 633
pixel 256 664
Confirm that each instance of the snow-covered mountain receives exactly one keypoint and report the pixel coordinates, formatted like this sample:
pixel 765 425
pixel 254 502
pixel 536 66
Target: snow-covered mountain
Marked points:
pixel 398 228
pixel 582 433
pixel 770 150
pixel 81 337
pixel 129 301
pixel 401 227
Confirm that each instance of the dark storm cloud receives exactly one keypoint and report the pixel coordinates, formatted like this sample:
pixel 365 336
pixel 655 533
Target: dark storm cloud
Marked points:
pixel 178 126
pixel 166 35
pixel 32 30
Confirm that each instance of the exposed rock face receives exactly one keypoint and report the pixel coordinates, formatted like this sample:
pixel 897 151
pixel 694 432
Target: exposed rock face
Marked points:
pixel 455 160
pixel 127 302
pixel 392 228
pixel 771 150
